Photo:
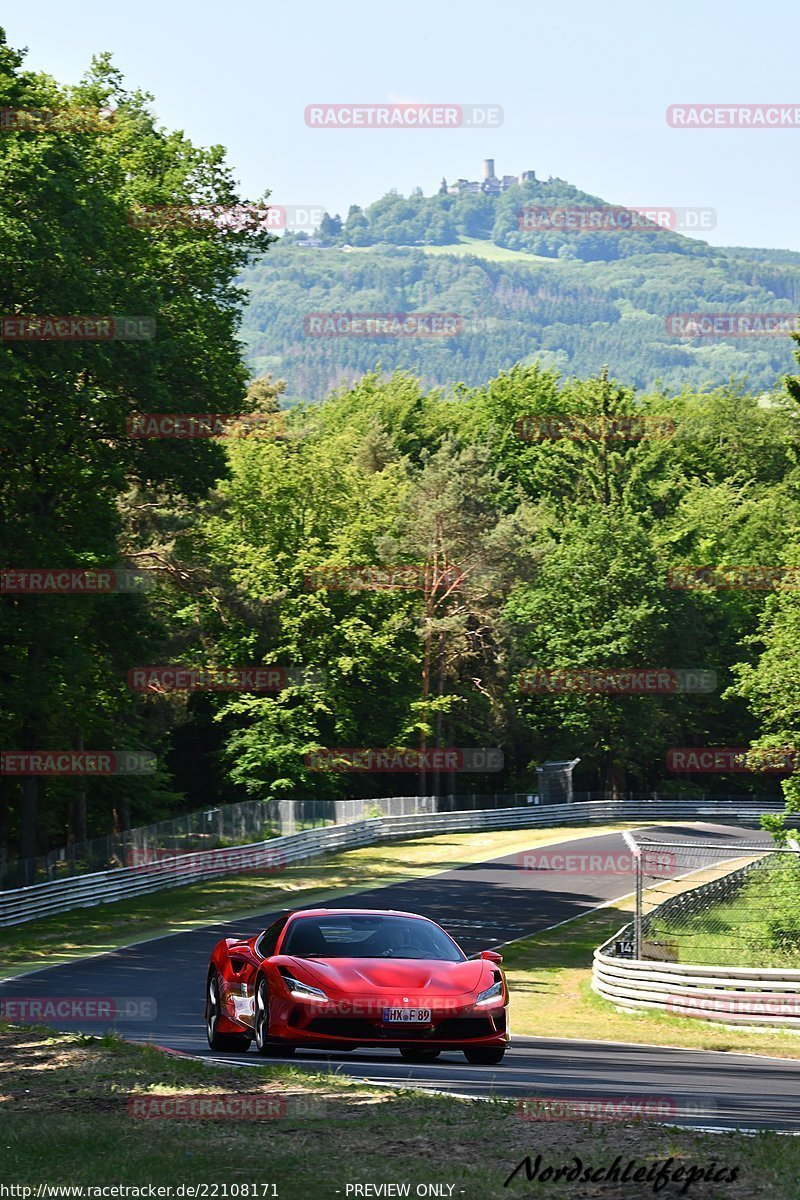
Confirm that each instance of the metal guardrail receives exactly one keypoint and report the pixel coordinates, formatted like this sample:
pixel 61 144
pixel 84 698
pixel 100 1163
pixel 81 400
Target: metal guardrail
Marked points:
pixel 203 829
pixel 732 995
pixel 104 887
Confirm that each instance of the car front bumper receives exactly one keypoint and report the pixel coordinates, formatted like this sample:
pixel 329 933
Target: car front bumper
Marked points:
pixel 343 1023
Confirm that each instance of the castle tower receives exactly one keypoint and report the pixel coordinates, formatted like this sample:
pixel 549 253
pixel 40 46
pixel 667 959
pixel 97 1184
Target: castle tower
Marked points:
pixel 488 168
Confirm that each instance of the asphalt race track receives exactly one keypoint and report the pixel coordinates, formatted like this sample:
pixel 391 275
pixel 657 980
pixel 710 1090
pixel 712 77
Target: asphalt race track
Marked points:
pixel 482 905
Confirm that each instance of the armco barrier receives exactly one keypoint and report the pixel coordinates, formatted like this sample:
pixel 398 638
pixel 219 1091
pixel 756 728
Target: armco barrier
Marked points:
pixel 763 996
pixel 733 995
pixel 85 891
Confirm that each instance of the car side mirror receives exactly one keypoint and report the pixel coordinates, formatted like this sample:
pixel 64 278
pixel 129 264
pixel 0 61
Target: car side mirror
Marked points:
pixel 492 956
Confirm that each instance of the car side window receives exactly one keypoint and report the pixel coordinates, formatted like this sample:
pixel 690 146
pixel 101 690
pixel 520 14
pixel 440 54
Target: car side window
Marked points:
pixel 269 939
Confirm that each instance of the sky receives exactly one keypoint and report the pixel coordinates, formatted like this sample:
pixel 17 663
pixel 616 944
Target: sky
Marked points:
pixel 583 87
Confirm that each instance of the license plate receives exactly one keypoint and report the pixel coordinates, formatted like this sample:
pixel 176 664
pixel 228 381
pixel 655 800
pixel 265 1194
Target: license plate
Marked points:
pixel 407 1015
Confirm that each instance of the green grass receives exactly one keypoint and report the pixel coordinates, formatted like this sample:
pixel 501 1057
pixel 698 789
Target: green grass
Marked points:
pixel 549 973
pixel 85 931
pixel 759 926
pixel 549 977
pixel 483 249
pixel 65 1119
pixel 64 1100
pixel 469 245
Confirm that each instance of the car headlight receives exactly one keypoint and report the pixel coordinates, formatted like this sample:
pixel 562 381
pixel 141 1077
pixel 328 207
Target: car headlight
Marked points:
pixel 491 993
pixel 303 991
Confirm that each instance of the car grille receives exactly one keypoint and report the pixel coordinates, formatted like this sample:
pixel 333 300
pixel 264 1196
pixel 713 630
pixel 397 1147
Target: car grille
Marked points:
pixel 452 1028
pixel 465 1027
pixel 349 1027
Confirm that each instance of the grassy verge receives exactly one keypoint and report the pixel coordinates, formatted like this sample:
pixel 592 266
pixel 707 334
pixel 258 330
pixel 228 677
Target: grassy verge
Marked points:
pixel 549 977
pixel 549 973
pixel 65 1119
pixel 108 926
pixel 758 926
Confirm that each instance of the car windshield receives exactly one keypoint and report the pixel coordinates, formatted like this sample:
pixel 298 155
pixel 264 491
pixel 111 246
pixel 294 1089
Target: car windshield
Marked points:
pixel 356 935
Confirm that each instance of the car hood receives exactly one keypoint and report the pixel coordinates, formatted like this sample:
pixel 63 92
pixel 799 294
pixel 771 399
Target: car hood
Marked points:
pixel 390 975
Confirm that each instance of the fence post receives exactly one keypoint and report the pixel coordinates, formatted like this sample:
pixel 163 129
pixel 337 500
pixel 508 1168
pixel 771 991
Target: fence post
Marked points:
pixel 637 925
pixel 637 920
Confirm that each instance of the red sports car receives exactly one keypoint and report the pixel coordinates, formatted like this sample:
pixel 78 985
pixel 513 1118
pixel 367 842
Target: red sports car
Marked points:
pixel 335 979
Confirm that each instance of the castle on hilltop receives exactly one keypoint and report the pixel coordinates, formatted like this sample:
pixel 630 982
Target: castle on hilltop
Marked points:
pixel 490 183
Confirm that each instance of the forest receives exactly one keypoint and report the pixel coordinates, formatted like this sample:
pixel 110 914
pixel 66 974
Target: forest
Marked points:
pixel 395 557
pixel 558 311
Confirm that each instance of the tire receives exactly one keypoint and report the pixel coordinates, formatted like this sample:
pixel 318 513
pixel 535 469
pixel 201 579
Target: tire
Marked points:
pixel 483 1056
pixel 419 1054
pixel 216 1040
pixel 265 1047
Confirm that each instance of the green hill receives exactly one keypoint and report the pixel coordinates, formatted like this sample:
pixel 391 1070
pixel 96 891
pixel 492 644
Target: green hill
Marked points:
pixel 570 299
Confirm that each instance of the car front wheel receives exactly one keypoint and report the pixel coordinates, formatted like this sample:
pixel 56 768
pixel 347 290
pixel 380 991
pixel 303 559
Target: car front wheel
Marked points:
pixel 217 1040
pixel 264 1046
